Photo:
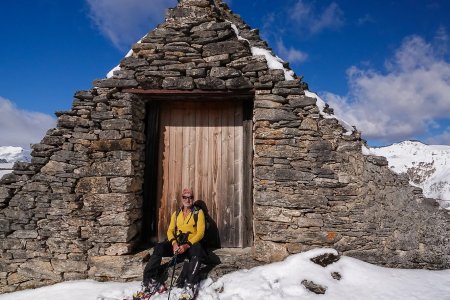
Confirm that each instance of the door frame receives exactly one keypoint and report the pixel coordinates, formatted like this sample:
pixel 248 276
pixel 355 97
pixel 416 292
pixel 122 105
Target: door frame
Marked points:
pixel 153 99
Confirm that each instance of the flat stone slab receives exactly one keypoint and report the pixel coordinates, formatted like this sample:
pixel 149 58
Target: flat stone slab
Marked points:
pixel 219 263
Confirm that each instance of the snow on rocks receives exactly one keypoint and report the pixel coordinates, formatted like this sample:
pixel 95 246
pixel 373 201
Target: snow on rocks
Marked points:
pixel 117 68
pixel 322 106
pixel 273 62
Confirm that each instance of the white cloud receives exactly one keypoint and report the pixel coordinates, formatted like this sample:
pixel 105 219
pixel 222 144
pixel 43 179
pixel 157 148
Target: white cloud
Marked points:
pixel 125 22
pixel 308 17
pixel 20 127
pixel 291 55
pixel 406 101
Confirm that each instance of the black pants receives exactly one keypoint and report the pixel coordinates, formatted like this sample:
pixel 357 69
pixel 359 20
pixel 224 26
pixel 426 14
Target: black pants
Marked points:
pixel 191 268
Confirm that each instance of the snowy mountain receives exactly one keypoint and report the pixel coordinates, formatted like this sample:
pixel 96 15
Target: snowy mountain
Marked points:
pixel 9 155
pixel 300 276
pixel 427 166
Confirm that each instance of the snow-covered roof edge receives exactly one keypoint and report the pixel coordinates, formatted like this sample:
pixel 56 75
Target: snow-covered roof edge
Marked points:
pixel 321 105
pixel 273 62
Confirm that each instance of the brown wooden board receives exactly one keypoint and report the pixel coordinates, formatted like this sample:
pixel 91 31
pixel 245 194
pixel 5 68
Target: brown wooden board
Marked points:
pixel 201 147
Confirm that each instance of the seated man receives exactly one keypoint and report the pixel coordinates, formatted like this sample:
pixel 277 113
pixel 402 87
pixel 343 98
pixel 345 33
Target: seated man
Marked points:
pixel 186 229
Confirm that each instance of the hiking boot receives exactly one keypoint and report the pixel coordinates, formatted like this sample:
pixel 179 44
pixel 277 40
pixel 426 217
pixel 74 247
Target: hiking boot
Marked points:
pixel 189 292
pixel 154 287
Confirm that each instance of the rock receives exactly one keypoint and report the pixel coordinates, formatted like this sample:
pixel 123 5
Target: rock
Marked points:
pixel 92 185
pixel 210 83
pixel 238 83
pixel 314 287
pixel 269 251
pixel 126 144
pixel 325 259
pixel 227 47
pixel 274 115
pixel 110 267
pixel 224 72
pixel 336 275
pixel 115 83
pixel 178 83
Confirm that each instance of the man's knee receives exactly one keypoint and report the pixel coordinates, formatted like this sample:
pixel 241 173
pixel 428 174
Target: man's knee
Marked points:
pixel 197 250
pixel 160 249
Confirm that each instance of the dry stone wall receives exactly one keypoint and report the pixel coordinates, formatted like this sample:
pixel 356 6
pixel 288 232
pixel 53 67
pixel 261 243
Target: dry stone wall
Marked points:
pixel 75 211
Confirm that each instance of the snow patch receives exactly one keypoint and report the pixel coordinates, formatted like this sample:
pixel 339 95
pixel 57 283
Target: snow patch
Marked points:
pixel 321 105
pixel 273 62
pixel 117 68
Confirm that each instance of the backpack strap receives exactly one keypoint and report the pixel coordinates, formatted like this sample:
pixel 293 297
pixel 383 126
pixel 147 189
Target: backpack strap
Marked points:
pixel 195 211
pixel 176 218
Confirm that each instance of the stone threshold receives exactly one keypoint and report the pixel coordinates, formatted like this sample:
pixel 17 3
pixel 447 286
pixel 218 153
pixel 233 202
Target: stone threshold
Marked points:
pixel 130 267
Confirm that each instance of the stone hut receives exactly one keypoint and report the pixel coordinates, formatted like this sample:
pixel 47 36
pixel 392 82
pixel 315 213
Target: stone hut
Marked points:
pixel 202 101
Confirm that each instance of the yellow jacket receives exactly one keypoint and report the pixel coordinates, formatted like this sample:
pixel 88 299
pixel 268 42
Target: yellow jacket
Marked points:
pixel 187 225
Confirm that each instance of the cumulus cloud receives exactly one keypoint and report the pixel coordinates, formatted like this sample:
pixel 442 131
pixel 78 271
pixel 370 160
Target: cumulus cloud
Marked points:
pixel 406 100
pixel 290 54
pixel 20 127
pixel 307 16
pixel 125 22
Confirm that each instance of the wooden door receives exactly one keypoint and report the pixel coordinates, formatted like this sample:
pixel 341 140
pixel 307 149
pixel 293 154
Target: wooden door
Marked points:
pixel 201 146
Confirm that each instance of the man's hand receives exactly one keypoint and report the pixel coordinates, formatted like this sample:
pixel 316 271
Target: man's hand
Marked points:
pixel 183 248
pixel 176 248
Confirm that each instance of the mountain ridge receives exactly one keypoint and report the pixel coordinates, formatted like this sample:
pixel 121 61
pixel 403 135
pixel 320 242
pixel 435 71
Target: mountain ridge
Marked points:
pixel 427 166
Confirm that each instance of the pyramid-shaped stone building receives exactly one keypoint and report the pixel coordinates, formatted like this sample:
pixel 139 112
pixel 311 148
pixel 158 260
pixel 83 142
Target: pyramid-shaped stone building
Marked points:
pixel 202 101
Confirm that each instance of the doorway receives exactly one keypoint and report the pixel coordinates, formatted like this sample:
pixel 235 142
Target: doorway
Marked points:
pixel 206 146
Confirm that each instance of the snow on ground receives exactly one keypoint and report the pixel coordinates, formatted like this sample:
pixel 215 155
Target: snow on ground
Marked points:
pixel 428 166
pixel 278 281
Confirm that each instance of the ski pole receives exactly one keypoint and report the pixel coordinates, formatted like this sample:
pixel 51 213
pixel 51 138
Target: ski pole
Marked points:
pixel 174 261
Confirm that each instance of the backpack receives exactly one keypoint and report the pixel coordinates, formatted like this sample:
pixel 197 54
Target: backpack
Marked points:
pixel 211 238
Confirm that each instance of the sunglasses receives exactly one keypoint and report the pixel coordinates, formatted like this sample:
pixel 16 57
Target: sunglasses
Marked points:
pixel 187 197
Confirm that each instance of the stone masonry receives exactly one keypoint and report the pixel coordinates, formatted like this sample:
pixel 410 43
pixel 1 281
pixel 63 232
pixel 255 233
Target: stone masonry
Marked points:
pixel 75 212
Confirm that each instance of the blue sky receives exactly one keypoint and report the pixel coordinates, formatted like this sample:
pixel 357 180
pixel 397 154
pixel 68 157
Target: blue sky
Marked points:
pixel 383 65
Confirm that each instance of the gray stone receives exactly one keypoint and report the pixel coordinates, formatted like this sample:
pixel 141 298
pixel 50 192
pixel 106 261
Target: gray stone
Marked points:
pixel 227 47
pixel 116 124
pixel 179 83
pixel 238 83
pixel 274 115
pixel 92 185
pixel 314 287
pixel 326 259
pixel 224 72
pixel 115 83
pixel 210 83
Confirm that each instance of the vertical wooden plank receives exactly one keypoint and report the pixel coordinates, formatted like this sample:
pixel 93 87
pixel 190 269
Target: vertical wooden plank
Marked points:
pixel 224 182
pixel 178 172
pixel 211 127
pixel 238 172
pixel 216 171
pixel 247 202
pixel 192 144
pixel 184 147
pixel 165 169
pixel 198 154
